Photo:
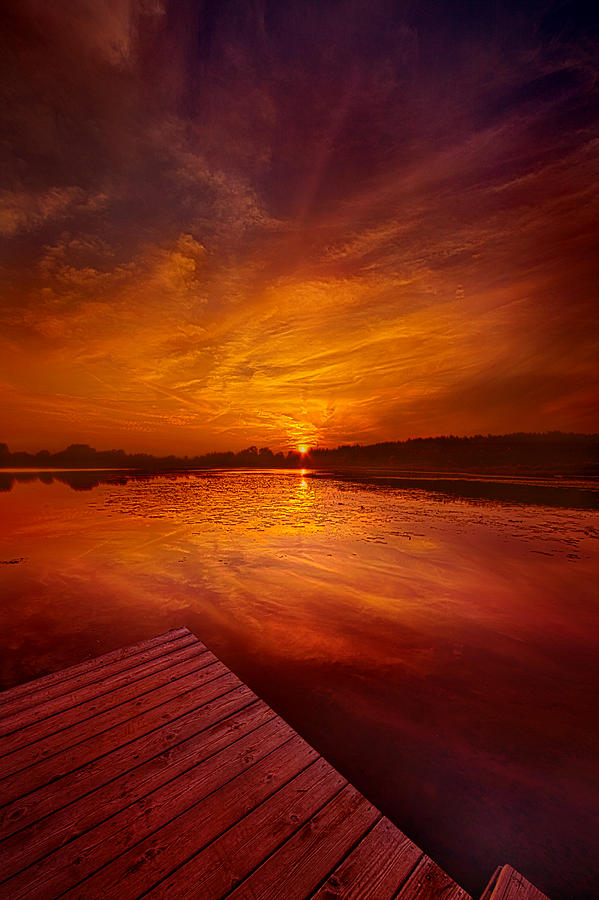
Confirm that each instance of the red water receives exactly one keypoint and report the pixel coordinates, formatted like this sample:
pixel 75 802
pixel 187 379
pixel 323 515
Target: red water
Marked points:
pixel 440 652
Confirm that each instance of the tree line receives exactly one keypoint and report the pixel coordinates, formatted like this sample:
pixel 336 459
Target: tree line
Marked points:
pixel 549 451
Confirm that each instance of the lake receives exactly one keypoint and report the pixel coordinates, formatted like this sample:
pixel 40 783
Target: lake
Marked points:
pixel 438 646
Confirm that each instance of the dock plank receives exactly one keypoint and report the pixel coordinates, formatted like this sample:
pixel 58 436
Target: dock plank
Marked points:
pixel 108 842
pixel 83 813
pixel 508 884
pixel 154 771
pixel 29 687
pixel 61 752
pixel 96 761
pixel 138 869
pixel 486 894
pixel 376 869
pixel 146 694
pixel 225 862
pixel 430 882
pixel 41 696
pixel 312 852
pixel 37 721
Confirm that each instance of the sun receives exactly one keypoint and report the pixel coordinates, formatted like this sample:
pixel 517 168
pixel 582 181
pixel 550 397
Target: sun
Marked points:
pixel 303 449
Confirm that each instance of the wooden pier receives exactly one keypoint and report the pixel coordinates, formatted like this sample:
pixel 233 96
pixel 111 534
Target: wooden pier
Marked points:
pixel 154 771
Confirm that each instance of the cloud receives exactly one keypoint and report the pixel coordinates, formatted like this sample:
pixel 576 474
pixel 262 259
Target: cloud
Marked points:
pixel 260 223
pixel 107 29
pixel 27 211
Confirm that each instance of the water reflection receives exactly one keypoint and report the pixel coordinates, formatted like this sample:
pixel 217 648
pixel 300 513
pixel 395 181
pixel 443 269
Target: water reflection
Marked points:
pixel 440 652
pixel 542 491
pixel 77 479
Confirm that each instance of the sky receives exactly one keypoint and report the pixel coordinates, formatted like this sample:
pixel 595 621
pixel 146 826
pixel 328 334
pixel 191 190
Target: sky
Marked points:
pixel 278 223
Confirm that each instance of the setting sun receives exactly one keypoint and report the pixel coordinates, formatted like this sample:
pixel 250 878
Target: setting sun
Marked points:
pixel 298 363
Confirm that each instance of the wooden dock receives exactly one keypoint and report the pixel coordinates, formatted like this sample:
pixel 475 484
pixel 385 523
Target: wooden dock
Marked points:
pixel 154 771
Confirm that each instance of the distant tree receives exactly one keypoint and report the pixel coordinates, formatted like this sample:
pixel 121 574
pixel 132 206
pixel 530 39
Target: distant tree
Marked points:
pixel 551 451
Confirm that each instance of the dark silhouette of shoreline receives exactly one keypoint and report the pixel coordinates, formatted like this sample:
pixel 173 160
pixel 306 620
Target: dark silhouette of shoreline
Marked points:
pixel 535 491
pixel 538 469
pixel 551 453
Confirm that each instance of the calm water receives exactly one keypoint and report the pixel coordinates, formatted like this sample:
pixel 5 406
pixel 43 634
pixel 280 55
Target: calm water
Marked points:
pixel 440 651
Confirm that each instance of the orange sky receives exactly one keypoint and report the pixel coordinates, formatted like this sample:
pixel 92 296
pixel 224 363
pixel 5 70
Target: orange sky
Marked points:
pixel 277 223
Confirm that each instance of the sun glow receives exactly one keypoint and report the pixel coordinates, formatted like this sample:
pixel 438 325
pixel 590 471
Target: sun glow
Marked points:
pixel 302 284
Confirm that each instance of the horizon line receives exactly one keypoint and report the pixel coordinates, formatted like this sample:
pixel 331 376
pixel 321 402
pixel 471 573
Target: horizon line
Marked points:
pixel 299 450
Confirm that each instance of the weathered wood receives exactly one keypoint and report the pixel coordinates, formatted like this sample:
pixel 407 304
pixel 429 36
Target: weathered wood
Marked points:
pixel 486 894
pixel 143 865
pixel 93 676
pixel 377 868
pixel 94 763
pixel 165 762
pixel 155 771
pixel 429 882
pixel 77 716
pixel 313 851
pixel 29 687
pixel 507 884
pixel 129 713
pixel 95 849
pixel 37 721
pixel 225 862
pixel 168 687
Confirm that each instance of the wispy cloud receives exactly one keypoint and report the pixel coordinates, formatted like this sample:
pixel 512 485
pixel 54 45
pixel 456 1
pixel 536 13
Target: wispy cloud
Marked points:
pixel 260 223
pixel 28 211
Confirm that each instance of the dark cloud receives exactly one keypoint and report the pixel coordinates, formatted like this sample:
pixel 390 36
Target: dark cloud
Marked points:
pixel 297 220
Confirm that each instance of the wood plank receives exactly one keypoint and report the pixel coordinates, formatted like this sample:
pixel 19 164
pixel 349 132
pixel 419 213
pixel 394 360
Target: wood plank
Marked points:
pixel 85 767
pixel 156 772
pixel 429 882
pixel 35 715
pixel 143 865
pixel 93 676
pixel 168 687
pixel 508 884
pixel 313 852
pixel 226 861
pixel 217 726
pixel 112 839
pixel 486 894
pixel 68 750
pixel 377 868
pixel 28 687
pixel 156 672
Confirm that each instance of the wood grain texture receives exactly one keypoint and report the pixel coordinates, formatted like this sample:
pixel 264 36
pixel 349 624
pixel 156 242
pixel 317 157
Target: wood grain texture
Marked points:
pixel 508 884
pixel 154 771
pixel 43 695
pixel 225 862
pixel 96 761
pixel 312 852
pixel 151 692
pixel 376 869
pixel 429 882
pixel 30 687
pixel 108 841
pixel 192 825
pixel 36 722
pixel 76 817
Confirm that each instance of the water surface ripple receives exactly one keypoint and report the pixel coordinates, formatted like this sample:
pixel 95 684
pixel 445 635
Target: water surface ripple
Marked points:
pixel 439 650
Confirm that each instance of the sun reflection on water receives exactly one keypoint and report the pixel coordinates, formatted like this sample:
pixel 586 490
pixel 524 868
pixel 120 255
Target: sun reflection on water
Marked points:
pixel 355 610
